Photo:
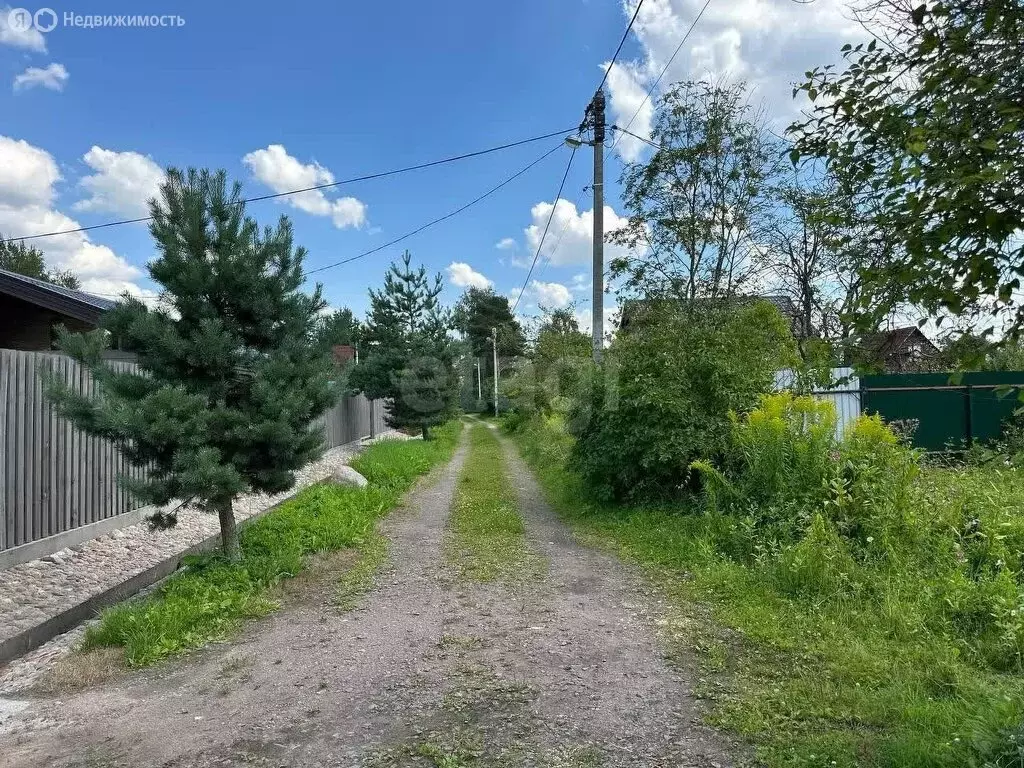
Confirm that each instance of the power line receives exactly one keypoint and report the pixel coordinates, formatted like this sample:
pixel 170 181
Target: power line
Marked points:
pixel 547 226
pixel 352 180
pixel 416 231
pixel 438 220
pixel 621 43
pixel 565 228
pixel 663 71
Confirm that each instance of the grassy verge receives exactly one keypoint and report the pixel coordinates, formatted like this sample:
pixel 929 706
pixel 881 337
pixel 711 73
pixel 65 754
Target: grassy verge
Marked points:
pixel 811 680
pixel 486 540
pixel 211 597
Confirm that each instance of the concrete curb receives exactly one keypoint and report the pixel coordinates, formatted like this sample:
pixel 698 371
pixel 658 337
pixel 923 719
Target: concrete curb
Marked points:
pixel 33 550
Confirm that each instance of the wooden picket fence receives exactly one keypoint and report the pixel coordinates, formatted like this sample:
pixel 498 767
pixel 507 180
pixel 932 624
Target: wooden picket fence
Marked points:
pixel 56 479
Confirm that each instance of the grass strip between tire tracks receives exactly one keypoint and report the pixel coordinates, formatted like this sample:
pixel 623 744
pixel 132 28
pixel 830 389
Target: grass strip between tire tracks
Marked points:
pixel 486 539
pixel 211 596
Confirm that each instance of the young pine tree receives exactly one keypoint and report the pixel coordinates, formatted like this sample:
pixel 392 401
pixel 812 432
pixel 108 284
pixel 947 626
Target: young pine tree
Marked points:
pixel 407 354
pixel 228 381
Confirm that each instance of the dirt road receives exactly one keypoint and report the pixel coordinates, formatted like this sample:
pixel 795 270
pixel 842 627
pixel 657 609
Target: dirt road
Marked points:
pixel 561 670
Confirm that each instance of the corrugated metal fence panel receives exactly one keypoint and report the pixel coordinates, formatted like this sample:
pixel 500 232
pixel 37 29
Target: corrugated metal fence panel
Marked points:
pixel 56 478
pixel 949 411
pixel 844 395
pixel 348 421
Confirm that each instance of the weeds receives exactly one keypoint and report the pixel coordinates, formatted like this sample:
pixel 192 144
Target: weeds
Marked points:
pixel 209 598
pixel 77 671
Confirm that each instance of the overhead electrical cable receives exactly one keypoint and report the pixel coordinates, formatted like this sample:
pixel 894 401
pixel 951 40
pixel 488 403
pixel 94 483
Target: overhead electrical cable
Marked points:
pixel 621 43
pixel 420 228
pixel 547 226
pixel 438 220
pixel 664 69
pixel 314 188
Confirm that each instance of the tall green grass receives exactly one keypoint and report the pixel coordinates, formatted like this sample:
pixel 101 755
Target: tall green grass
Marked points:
pixel 823 655
pixel 211 597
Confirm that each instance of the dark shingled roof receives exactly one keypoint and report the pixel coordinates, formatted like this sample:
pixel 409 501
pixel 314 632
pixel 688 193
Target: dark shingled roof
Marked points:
pixel 66 301
pixel 884 342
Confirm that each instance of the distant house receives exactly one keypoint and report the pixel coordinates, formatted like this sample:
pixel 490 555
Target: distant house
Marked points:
pixel 344 354
pixel 790 311
pixel 31 310
pixel 902 350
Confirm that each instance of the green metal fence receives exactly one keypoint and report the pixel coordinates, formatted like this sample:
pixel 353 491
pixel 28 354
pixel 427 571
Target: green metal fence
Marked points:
pixel 951 413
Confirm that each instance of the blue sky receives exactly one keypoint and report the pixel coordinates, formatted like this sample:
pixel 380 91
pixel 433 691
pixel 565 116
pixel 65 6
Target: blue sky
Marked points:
pixel 278 95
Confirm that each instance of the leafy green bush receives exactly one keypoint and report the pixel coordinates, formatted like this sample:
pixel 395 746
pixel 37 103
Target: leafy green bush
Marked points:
pixel 663 397
pixel 779 460
pixel 784 465
pixel 546 382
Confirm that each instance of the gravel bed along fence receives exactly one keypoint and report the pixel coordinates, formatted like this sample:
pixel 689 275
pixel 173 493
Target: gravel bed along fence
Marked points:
pixel 34 592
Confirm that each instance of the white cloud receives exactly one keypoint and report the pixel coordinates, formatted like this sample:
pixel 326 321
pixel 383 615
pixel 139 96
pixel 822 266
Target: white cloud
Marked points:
pixel 52 77
pixel 28 37
pixel 27 178
pixel 628 103
pixel 123 183
pixel 571 236
pixel 464 276
pixel 768 43
pixel 27 173
pixel 281 172
pixel 550 295
pixel 505 244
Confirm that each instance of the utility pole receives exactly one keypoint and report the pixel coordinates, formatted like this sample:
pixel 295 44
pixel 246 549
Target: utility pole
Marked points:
pixel 597 301
pixel 494 344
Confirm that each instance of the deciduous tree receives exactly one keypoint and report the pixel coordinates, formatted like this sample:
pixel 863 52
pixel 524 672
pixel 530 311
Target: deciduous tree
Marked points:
pixel 928 120
pixel 16 256
pixel 698 205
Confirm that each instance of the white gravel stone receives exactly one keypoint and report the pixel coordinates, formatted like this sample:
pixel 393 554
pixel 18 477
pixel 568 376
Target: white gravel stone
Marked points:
pixel 33 592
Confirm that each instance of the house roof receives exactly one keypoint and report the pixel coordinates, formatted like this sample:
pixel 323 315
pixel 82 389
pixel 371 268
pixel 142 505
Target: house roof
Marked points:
pixel 66 301
pixel 887 342
pixel 631 307
pixel 784 304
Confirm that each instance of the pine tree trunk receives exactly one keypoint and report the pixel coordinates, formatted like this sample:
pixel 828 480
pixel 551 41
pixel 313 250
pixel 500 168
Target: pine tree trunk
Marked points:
pixel 228 531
